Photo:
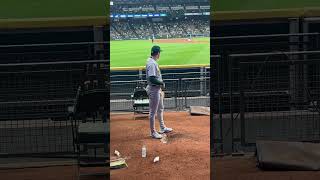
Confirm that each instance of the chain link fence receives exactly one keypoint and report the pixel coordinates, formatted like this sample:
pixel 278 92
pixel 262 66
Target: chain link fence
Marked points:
pixel 179 93
pixel 196 92
pixel 266 96
pixel 36 91
pixel 261 98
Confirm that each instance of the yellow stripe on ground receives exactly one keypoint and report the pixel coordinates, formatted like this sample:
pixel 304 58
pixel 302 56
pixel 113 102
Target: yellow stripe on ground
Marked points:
pixel 265 14
pixel 54 22
pixel 162 67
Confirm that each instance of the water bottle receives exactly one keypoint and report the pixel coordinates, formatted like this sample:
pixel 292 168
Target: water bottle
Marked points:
pixel 144 151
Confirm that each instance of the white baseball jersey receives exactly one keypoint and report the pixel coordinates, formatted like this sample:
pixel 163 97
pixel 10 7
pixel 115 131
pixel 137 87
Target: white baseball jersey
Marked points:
pixel 156 106
pixel 152 69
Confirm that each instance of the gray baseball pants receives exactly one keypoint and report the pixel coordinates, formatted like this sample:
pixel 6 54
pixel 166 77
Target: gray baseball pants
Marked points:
pixel 156 106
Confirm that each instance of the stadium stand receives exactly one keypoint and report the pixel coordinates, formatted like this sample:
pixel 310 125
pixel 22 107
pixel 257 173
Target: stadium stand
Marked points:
pixel 146 29
pixel 159 19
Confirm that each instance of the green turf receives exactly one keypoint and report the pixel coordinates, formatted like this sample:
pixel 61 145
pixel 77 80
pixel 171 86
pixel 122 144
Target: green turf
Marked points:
pixel 242 5
pixel 133 53
pixel 19 9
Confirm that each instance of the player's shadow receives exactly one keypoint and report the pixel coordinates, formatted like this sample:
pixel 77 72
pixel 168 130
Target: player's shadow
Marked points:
pixel 172 137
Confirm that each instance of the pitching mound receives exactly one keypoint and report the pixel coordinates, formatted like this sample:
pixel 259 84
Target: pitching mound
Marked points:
pixel 185 156
pixel 181 41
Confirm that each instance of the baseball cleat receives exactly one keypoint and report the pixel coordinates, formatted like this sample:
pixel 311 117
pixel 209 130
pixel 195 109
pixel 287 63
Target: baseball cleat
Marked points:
pixel 165 130
pixel 156 135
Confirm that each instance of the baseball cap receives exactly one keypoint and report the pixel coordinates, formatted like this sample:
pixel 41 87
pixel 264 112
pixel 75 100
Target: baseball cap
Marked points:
pixel 155 49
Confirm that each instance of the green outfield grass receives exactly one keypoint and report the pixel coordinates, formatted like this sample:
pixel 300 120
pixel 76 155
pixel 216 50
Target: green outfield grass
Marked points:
pixel 134 53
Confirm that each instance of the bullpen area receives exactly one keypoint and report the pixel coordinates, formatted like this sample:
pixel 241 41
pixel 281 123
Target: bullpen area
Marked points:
pixel 266 84
pixel 184 156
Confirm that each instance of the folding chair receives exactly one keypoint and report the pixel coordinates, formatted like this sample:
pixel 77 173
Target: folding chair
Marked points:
pixel 90 127
pixel 140 101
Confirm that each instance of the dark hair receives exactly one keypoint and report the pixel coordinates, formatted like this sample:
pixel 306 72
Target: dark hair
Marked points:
pixel 155 50
pixel 154 53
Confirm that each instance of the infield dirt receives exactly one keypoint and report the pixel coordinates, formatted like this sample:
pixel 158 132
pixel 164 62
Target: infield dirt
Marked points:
pixel 185 156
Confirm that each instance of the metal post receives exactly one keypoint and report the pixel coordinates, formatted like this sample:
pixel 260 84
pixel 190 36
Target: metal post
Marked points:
pixel 98 37
pixel 306 40
pixel 220 85
pixel 242 108
pixel 176 94
pixel 294 70
pixel 202 91
pixel 140 74
pixel 180 94
pixel 228 122
pixel 185 94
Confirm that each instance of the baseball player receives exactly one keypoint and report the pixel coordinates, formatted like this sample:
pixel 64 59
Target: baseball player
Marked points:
pixel 155 93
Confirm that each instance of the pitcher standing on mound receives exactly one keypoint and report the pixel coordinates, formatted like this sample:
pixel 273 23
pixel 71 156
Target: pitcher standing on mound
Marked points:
pixel 155 93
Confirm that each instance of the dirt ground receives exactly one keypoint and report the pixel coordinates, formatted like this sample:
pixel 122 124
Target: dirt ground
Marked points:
pixel 49 173
pixel 244 168
pixel 182 40
pixel 185 156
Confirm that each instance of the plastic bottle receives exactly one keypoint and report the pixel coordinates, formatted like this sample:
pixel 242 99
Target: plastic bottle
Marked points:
pixel 144 151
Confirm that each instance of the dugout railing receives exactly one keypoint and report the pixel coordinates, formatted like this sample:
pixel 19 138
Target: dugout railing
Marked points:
pixel 180 94
pixel 121 94
pixel 36 96
pixel 266 96
pixel 167 73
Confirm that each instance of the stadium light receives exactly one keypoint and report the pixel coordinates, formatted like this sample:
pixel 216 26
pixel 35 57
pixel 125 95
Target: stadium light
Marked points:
pixel 111 3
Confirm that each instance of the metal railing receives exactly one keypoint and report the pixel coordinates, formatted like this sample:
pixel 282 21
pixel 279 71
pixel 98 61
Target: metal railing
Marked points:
pixel 179 93
pixel 24 53
pixel 266 96
pixel 177 73
pixel 265 43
